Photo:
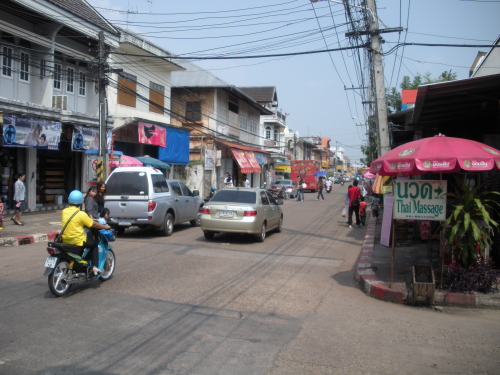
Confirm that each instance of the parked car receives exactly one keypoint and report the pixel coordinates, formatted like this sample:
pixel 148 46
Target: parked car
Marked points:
pixel 336 180
pixel 290 186
pixel 347 178
pixel 141 196
pixel 242 210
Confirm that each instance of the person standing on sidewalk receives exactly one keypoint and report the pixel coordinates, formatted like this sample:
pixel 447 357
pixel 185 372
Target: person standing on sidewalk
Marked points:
pixel 99 198
pixel 1 213
pixel 19 198
pixel 375 205
pixel 320 186
pixel 362 210
pixel 90 203
pixel 354 193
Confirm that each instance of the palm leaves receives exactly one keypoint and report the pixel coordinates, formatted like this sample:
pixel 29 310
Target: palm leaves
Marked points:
pixel 470 226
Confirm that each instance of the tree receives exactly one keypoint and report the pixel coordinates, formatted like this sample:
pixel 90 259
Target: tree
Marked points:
pixel 393 98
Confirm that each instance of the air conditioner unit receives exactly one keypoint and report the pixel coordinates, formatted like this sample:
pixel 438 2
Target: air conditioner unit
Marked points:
pixel 60 101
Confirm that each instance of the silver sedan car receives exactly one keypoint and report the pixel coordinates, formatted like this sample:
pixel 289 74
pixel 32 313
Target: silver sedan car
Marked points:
pixel 241 210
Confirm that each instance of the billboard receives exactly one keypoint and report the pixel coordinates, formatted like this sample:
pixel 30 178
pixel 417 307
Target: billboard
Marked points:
pixel 31 132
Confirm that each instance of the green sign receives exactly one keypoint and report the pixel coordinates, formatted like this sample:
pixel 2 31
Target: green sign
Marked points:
pixel 420 200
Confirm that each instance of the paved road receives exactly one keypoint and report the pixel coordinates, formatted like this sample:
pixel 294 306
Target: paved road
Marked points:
pixel 183 305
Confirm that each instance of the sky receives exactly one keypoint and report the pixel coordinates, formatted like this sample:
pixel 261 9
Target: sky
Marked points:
pixel 311 87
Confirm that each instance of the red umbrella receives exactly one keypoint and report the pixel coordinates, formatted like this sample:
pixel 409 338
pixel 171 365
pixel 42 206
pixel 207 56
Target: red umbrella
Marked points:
pixel 439 154
pixel 125 161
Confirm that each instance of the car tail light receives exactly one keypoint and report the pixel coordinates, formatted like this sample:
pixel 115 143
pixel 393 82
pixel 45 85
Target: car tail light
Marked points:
pixel 151 206
pixel 250 213
pixel 205 210
pixel 289 187
pixel 274 187
pixel 53 251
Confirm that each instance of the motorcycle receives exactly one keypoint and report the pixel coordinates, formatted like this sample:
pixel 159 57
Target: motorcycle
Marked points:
pixel 279 193
pixel 328 188
pixel 342 182
pixel 213 190
pixel 68 264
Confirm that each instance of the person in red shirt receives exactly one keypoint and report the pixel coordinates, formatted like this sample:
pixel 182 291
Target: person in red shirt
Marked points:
pixel 354 193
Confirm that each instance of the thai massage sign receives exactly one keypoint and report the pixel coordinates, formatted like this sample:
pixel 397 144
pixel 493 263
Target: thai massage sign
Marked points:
pixel 420 200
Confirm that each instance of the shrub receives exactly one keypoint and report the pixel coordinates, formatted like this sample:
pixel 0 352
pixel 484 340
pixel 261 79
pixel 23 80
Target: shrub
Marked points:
pixel 480 277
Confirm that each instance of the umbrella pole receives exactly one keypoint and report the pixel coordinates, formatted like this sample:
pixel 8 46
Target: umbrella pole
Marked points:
pixel 393 250
pixel 441 249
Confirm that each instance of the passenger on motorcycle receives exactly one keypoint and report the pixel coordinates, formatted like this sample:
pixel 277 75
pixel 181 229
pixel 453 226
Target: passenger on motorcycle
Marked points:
pixel 74 233
pixel 329 183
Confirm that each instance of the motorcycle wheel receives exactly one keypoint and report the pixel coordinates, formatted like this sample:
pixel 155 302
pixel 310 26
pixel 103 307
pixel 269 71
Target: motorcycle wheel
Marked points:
pixel 109 266
pixel 55 278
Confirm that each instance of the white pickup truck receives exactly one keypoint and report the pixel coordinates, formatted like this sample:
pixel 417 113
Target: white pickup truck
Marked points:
pixel 141 196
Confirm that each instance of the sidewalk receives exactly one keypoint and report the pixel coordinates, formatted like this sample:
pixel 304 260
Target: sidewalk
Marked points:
pixel 373 273
pixel 38 226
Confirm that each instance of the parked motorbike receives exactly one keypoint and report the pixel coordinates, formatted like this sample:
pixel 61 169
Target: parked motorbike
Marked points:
pixel 213 190
pixel 280 193
pixel 68 264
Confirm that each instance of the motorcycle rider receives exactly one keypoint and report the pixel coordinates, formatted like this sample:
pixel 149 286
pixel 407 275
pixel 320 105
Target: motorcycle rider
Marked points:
pixel 74 233
pixel 329 183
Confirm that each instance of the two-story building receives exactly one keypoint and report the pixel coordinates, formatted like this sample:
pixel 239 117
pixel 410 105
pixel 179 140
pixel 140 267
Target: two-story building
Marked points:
pixel 225 129
pixel 48 97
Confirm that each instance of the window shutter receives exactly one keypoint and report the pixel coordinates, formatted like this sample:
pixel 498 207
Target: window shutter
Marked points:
pixel 127 90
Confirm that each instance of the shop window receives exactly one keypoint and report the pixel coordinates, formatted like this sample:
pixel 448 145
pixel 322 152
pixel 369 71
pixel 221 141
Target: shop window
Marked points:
pixel 127 87
pixel 82 84
pixel 268 132
pixel 156 98
pixel 57 76
pixel 193 111
pixel 70 80
pixel 24 68
pixel 7 62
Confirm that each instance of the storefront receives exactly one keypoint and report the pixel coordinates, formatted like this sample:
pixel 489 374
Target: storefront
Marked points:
pixel 241 160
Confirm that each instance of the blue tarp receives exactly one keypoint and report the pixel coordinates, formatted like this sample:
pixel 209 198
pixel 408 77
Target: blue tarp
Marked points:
pixel 177 150
pixel 95 152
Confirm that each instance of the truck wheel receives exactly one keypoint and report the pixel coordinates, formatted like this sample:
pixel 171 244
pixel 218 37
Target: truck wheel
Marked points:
pixel 168 225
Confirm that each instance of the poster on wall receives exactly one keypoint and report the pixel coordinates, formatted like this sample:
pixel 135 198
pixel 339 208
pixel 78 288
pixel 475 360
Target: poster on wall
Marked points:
pixel 31 132
pixel 87 139
pixel 209 160
pixel 218 158
pixel 152 134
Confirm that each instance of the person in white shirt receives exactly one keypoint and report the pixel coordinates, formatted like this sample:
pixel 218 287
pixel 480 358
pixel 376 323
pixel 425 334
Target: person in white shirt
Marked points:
pixel 228 181
pixel 246 182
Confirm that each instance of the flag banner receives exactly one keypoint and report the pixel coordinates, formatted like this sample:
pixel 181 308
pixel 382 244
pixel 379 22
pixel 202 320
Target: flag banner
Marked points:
pixel 31 132
pixel 152 134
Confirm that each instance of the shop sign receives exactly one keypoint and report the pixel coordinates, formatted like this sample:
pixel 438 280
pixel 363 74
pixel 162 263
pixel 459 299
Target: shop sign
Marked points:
pixel 86 139
pixel 209 160
pixel 31 132
pixel 150 134
pixel 283 168
pixel 420 200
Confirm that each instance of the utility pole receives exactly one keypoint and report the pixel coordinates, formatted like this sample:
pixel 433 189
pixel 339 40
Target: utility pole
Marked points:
pixel 378 78
pixel 102 107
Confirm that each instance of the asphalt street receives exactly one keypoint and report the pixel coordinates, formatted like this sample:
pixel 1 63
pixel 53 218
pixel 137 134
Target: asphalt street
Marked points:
pixel 184 305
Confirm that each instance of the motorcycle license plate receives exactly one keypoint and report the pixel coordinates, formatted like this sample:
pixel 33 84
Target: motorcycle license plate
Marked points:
pixel 50 262
pixel 226 213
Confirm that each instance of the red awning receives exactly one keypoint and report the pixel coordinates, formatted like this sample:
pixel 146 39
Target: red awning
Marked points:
pixel 253 162
pixel 241 147
pixel 242 160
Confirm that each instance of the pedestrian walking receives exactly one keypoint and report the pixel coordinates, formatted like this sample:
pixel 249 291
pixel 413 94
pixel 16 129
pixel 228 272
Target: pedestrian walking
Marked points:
pixel 354 193
pixel 300 189
pixel 375 205
pixel 91 204
pixel 19 198
pixel 1 213
pixel 362 210
pixel 99 198
pixel 246 182
pixel 228 181
pixel 320 186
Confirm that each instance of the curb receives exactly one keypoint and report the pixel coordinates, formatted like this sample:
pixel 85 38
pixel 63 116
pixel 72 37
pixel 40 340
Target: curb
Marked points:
pixel 365 275
pixel 28 239
pixel 371 285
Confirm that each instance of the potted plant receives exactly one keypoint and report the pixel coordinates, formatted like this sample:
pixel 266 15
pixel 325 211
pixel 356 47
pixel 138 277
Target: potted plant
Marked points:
pixel 470 226
pixel 469 230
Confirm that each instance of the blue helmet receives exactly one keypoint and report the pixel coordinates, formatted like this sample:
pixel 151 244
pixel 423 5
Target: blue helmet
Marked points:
pixel 212 188
pixel 75 197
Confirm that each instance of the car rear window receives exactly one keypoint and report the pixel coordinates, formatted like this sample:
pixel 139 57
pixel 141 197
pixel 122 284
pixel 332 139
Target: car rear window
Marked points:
pixel 127 183
pixel 234 196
